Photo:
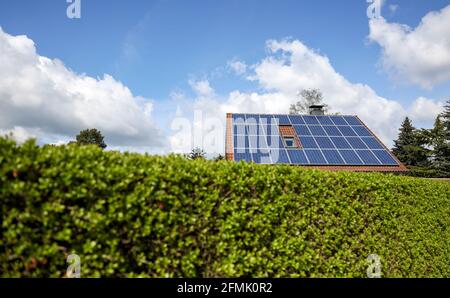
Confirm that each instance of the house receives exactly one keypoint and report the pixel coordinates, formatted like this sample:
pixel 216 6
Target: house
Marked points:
pixel 335 142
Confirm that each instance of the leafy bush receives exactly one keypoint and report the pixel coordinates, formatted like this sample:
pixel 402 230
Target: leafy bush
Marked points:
pixel 131 215
pixel 426 172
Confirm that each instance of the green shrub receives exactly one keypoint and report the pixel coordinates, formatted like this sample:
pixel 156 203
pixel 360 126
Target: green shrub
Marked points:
pixel 131 215
pixel 426 172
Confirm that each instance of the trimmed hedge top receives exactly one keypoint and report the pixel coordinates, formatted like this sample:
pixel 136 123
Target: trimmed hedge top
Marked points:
pixel 130 215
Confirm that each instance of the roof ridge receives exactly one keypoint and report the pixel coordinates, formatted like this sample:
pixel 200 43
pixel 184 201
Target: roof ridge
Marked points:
pixel 346 115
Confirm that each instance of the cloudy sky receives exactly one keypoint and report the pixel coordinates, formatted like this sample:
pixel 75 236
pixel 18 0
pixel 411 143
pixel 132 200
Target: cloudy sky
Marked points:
pixel 159 76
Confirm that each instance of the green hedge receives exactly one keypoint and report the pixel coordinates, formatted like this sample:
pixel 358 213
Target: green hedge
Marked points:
pixel 426 172
pixel 130 215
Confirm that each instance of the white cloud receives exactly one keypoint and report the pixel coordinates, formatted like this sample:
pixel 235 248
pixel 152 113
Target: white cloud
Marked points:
pixel 425 110
pixel 199 122
pixel 420 55
pixel 43 96
pixel 290 67
pixel 393 8
pixel 19 134
pixel 60 143
pixel 40 97
pixel 238 67
pixel 202 88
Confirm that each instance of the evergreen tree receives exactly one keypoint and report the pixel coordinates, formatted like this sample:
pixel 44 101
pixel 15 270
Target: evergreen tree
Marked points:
pixel 445 116
pixel 441 142
pixel 410 145
pixel 441 147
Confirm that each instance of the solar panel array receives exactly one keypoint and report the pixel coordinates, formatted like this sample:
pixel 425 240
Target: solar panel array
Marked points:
pixel 325 140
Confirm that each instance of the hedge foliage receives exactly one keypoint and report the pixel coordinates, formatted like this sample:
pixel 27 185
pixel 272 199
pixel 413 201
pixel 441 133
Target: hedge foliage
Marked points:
pixel 131 215
pixel 427 172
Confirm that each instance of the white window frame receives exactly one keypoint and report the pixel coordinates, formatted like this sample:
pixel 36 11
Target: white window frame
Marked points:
pixel 293 142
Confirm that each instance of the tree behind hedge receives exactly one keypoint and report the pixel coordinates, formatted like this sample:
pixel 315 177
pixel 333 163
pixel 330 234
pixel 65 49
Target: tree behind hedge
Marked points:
pixel 445 116
pixel 439 141
pixel 91 137
pixel 197 153
pixel 219 157
pixel 410 145
pixel 308 97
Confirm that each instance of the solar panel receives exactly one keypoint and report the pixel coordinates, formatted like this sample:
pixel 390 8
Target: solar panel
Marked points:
pixel 324 143
pixel 347 131
pixel 238 119
pixel 333 157
pixel 311 120
pixel 362 131
pixel 350 157
pixel 296 119
pixel 356 143
pixel 302 130
pixel 274 142
pixel 325 140
pixel 257 142
pixel 241 141
pixel 262 142
pixel 372 143
pixel 338 120
pixel 367 157
pixel 308 142
pixel 340 143
pixel 239 130
pixel 247 156
pixel 317 130
pixel 298 157
pixel 262 157
pixel 315 157
pixel 280 156
pixel 384 157
pixel 352 120
pixel 252 129
pixel 252 118
pixel 282 119
pixel 271 130
pixel 266 120
pixel 332 131
pixel 324 120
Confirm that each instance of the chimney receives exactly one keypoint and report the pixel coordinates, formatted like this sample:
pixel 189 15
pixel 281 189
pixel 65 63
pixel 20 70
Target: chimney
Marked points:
pixel 316 110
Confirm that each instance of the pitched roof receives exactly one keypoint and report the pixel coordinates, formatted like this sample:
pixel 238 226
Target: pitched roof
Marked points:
pixel 334 143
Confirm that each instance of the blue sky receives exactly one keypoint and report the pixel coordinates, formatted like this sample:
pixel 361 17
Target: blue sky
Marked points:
pixel 158 48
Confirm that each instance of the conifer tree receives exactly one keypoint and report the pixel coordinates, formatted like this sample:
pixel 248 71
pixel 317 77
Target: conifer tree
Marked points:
pixel 445 116
pixel 410 145
pixel 439 141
